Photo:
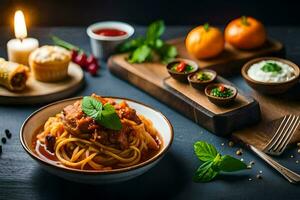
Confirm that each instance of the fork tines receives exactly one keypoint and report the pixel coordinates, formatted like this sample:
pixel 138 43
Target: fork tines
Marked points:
pixel 283 134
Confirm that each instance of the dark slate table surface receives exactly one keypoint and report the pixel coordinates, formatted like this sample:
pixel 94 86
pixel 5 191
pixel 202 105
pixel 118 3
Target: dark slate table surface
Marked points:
pixel 22 178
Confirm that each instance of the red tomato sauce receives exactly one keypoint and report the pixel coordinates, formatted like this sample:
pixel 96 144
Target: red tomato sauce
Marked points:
pixel 111 32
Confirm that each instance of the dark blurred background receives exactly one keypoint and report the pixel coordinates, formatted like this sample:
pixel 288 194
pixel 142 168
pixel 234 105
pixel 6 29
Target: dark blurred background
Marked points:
pixel 141 12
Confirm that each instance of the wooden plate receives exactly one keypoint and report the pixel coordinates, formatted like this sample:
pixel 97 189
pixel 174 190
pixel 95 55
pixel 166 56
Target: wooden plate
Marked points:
pixel 40 92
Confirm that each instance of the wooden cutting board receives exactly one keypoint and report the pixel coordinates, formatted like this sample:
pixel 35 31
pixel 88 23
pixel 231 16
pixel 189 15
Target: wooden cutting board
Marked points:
pixel 273 108
pixel 231 59
pixel 37 92
pixel 155 80
pixel 247 121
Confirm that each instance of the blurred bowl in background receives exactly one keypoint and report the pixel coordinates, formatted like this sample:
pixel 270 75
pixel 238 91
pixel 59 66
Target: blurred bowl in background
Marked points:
pixel 106 36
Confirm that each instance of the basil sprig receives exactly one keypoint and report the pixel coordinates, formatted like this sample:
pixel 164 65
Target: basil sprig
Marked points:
pixel 214 162
pixel 105 114
pixel 142 49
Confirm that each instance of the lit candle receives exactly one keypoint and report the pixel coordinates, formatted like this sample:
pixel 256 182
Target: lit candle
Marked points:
pixel 19 49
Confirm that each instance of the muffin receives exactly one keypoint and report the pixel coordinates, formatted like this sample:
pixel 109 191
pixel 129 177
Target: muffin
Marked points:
pixel 50 63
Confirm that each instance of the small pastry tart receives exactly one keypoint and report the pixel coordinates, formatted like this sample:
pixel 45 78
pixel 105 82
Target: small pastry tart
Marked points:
pixel 50 63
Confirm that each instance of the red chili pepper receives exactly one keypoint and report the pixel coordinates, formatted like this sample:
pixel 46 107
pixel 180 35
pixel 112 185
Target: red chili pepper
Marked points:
pixel 181 67
pixel 221 88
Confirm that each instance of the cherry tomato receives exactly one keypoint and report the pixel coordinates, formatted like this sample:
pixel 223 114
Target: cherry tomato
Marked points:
pixel 81 60
pixel 93 68
pixel 91 59
pixel 221 88
pixel 74 54
pixel 181 67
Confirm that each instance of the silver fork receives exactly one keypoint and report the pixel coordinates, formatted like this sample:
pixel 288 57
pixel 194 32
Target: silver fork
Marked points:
pixel 283 135
pixel 291 176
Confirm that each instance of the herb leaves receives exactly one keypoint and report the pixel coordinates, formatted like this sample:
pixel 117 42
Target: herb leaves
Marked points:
pixel 271 67
pixel 143 49
pixel 213 162
pixel 105 114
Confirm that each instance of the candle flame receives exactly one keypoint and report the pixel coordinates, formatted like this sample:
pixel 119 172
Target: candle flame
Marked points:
pixel 20 25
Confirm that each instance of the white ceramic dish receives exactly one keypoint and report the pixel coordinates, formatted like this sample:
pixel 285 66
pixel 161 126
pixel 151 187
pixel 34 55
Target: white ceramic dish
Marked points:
pixel 38 118
pixel 103 46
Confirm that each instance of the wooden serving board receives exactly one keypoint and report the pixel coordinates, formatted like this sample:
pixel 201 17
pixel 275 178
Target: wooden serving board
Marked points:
pixel 37 92
pixel 231 59
pixel 155 80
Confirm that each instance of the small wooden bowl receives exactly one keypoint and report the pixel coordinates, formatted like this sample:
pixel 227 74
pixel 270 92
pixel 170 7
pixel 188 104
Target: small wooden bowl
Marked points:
pixel 182 77
pixel 219 100
pixel 200 85
pixel 270 88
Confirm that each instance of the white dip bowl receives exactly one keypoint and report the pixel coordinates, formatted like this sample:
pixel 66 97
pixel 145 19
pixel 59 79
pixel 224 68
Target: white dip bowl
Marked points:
pixel 104 46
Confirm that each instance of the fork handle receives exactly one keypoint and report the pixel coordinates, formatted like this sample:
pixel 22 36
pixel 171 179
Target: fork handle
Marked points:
pixel 291 176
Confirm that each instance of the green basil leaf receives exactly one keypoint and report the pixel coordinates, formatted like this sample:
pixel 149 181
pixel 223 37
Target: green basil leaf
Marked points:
pixel 140 54
pixel 231 164
pixel 155 30
pixel 205 151
pixel 205 172
pixel 271 67
pixel 167 52
pixel 158 43
pixel 130 45
pixel 92 107
pixel 216 162
pixel 109 118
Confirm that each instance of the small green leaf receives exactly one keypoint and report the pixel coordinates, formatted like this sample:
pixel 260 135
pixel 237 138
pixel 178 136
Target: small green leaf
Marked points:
pixel 205 151
pixel 158 43
pixel 206 27
pixel 271 67
pixel 104 115
pixel 130 45
pixel 205 172
pixel 167 52
pixel 155 30
pixel 231 164
pixel 92 107
pixel 59 42
pixel 140 54
pixel 109 118
pixel 216 163
pixel 245 20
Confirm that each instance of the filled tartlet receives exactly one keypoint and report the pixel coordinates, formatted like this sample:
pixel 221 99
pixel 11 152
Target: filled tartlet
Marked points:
pixel 202 78
pixel 50 63
pixel 221 94
pixel 180 69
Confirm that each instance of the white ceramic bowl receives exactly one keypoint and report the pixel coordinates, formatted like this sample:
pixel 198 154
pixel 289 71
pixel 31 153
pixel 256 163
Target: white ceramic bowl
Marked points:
pixel 39 117
pixel 103 46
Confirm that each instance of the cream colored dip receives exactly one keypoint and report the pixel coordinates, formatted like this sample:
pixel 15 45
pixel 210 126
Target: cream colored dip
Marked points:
pixel 256 73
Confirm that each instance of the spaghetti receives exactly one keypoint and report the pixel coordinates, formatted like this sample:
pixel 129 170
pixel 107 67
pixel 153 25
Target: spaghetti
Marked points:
pixel 93 147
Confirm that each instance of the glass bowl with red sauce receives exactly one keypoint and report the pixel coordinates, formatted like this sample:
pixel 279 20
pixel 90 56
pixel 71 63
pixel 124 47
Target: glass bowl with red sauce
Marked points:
pixel 106 36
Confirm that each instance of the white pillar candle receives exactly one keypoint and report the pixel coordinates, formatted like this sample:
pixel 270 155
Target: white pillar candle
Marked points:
pixel 19 49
